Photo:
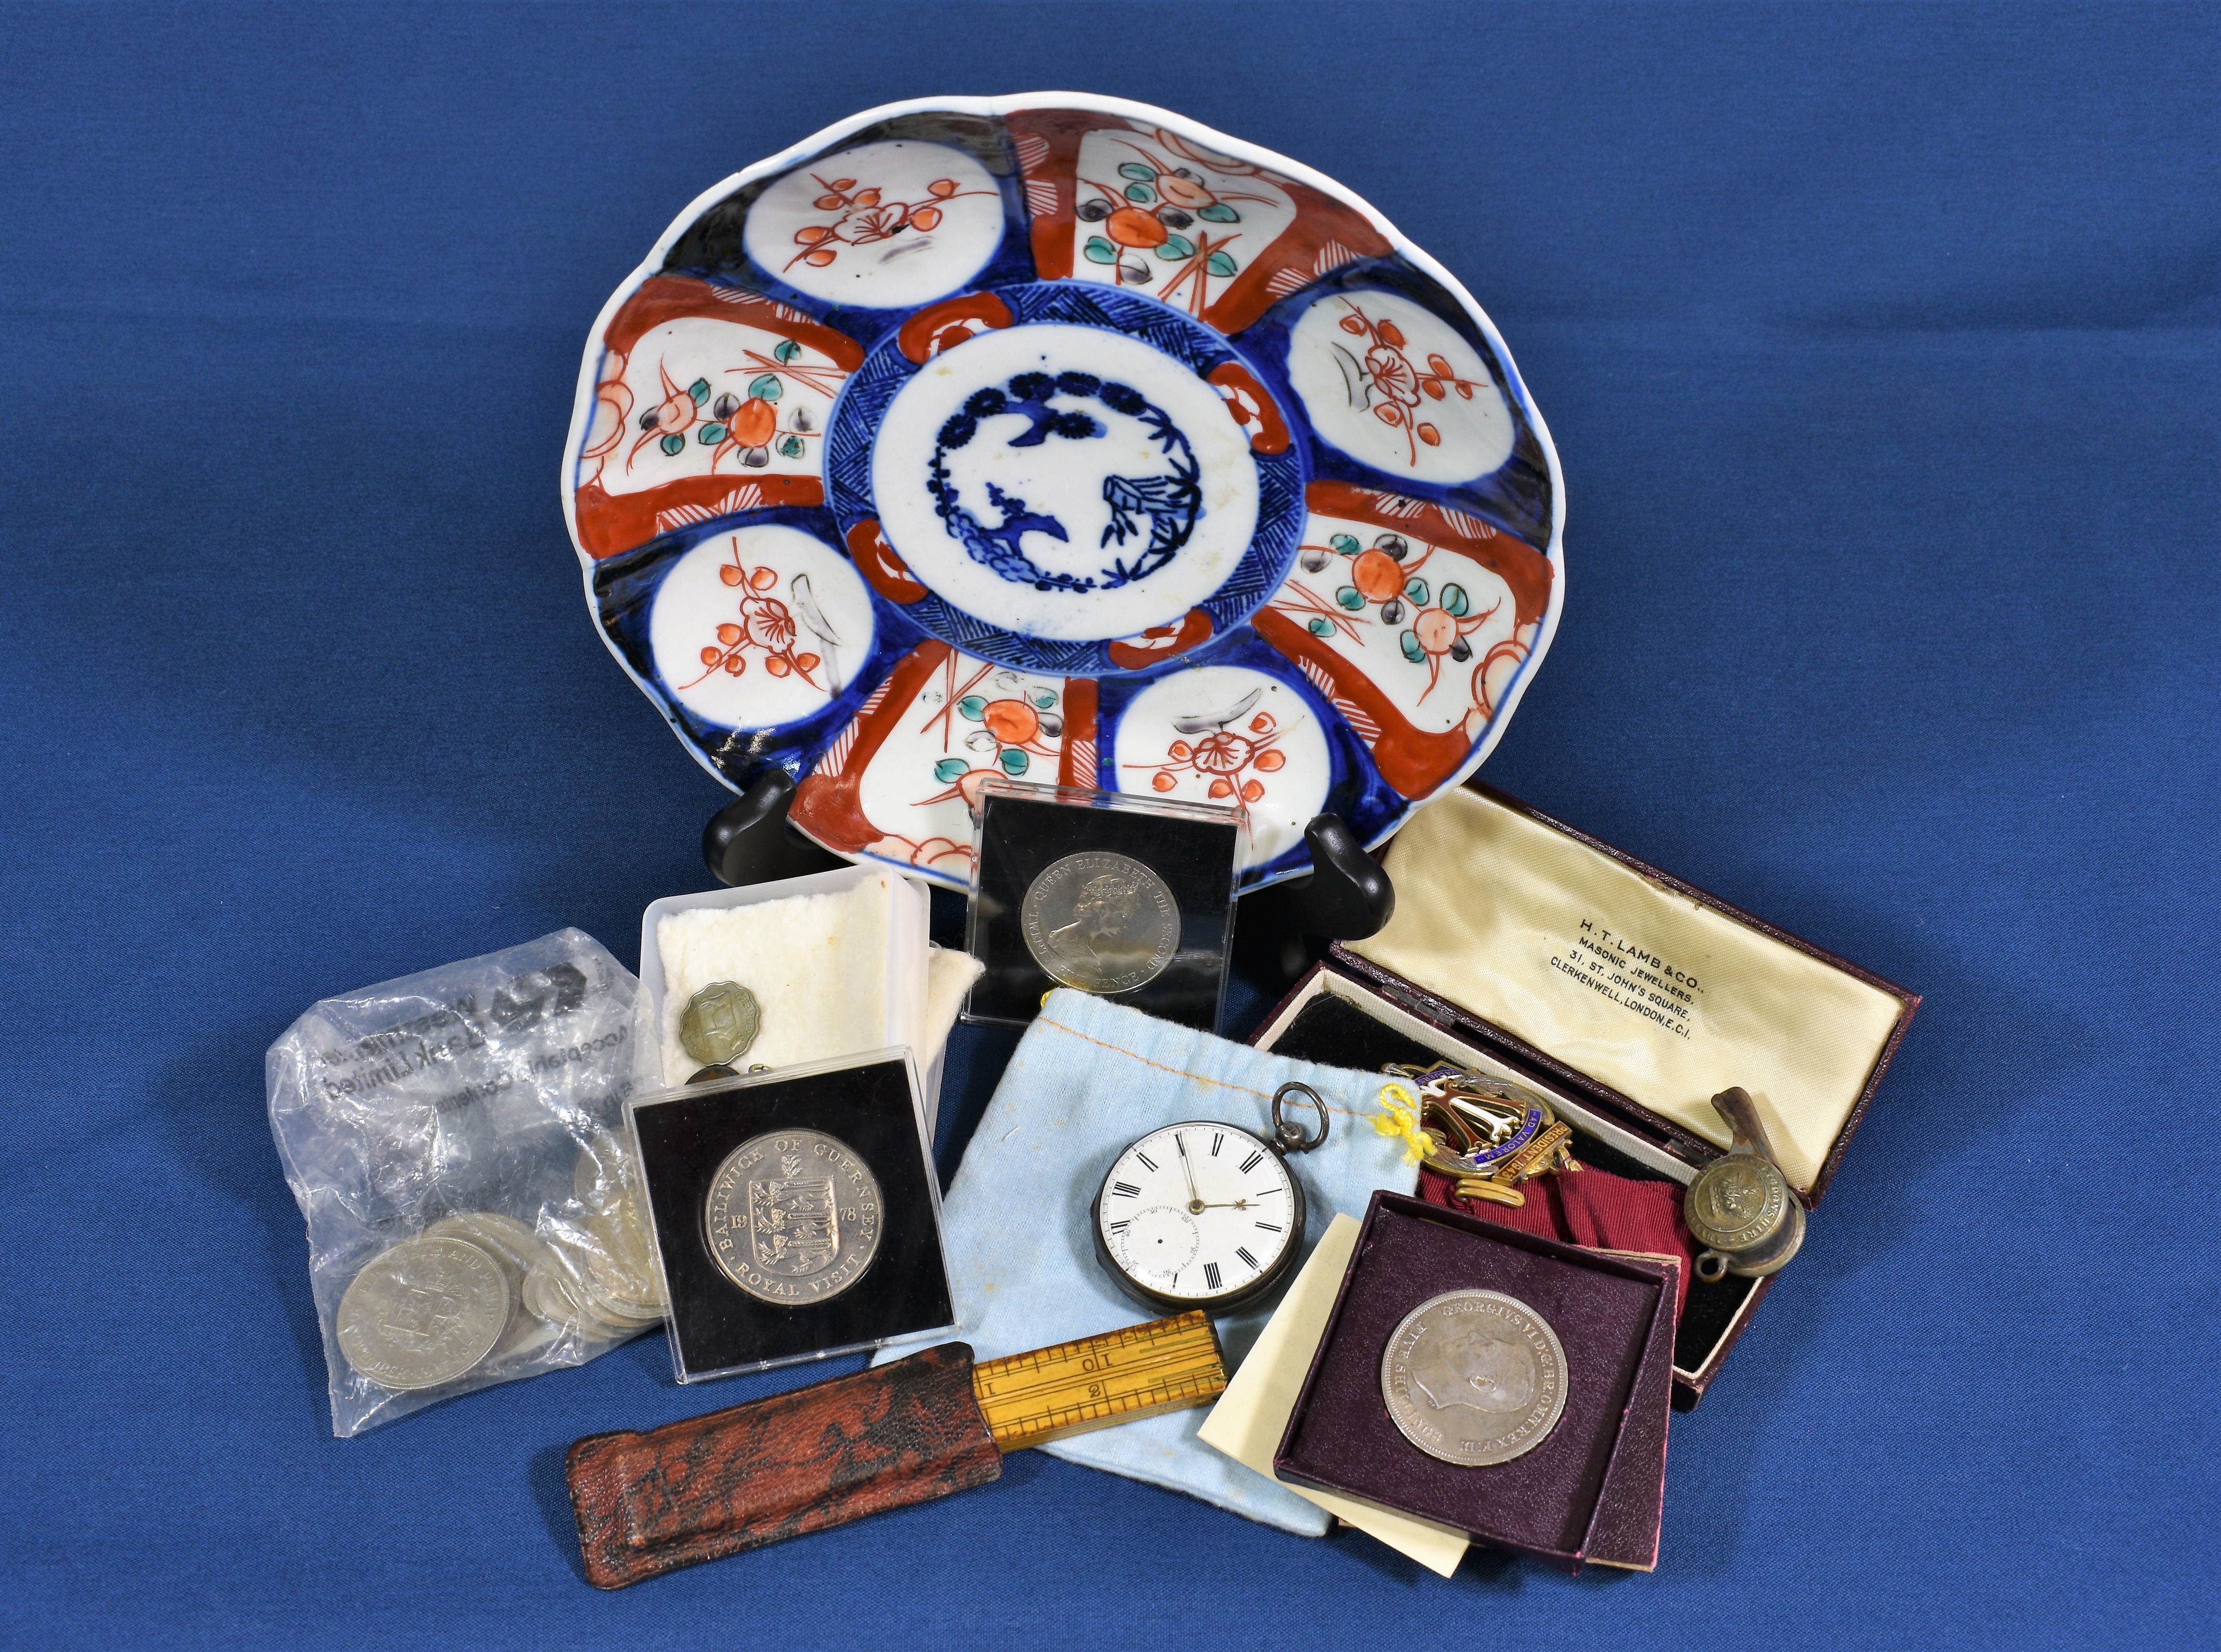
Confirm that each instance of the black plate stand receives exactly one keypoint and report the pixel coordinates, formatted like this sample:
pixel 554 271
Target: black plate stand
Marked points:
pixel 748 841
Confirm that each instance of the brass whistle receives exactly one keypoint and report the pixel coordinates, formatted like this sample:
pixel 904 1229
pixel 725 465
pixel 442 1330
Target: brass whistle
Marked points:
pixel 1741 1207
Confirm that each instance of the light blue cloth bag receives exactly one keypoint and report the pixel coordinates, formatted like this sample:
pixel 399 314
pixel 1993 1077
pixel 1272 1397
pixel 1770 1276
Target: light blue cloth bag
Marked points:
pixel 1088 1079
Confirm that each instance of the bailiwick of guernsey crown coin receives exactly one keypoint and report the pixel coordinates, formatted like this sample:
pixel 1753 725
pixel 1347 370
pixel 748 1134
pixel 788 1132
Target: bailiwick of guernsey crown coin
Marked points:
pixel 1475 1377
pixel 1100 921
pixel 793 1217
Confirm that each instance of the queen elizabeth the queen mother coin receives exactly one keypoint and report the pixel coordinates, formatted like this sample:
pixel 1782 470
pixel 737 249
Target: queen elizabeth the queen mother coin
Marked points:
pixel 1475 1377
pixel 1100 921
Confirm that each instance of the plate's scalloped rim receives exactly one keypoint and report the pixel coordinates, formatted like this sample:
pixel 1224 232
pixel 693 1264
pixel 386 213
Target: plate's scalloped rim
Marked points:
pixel 582 403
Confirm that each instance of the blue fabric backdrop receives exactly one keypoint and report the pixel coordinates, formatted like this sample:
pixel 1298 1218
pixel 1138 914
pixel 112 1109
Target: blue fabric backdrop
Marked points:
pixel 1881 345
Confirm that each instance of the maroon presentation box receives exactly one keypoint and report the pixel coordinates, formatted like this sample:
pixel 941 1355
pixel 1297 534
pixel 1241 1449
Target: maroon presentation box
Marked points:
pixel 1593 1490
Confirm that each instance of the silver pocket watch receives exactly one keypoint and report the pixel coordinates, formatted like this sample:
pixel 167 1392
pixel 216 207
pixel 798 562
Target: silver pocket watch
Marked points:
pixel 1205 1214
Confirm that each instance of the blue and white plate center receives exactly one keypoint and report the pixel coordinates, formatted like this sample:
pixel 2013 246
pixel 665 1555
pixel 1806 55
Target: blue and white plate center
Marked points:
pixel 1064 482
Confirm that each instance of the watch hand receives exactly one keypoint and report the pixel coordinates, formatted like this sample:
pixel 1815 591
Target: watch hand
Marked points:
pixel 1194 1199
pixel 1221 1205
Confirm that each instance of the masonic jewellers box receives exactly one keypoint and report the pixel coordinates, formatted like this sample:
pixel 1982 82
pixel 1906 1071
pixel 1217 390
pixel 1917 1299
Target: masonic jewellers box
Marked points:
pixel 1523 948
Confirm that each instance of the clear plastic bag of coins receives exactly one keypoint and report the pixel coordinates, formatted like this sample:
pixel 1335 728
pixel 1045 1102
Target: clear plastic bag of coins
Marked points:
pixel 789 1215
pixel 456 1142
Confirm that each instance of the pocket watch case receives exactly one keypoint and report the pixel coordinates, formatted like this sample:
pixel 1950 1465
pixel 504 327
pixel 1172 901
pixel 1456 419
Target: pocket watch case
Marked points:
pixel 1593 1488
pixel 1525 948
pixel 796 1213
pixel 1071 887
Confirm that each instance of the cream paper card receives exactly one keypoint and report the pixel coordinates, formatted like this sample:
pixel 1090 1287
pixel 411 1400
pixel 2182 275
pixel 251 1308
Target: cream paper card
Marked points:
pixel 1250 1417
pixel 1665 999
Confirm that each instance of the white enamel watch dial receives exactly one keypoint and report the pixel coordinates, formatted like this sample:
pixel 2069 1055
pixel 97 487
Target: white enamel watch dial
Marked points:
pixel 1200 1215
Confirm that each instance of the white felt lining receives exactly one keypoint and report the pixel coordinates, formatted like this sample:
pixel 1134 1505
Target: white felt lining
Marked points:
pixel 816 1004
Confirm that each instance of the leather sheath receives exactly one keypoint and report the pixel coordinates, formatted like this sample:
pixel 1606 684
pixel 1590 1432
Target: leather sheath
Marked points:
pixel 709 1486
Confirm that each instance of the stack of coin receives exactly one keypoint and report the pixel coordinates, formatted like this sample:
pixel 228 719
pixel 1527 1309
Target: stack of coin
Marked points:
pixel 437 1307
pixel 526 1260
pixel 606 1283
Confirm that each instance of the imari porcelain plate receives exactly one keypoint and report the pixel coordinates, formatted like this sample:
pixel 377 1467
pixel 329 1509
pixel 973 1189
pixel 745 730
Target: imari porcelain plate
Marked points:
pixel 1060 438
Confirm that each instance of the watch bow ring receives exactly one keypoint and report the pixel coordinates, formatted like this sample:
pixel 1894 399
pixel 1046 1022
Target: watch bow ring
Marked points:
pixel 1286 1132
